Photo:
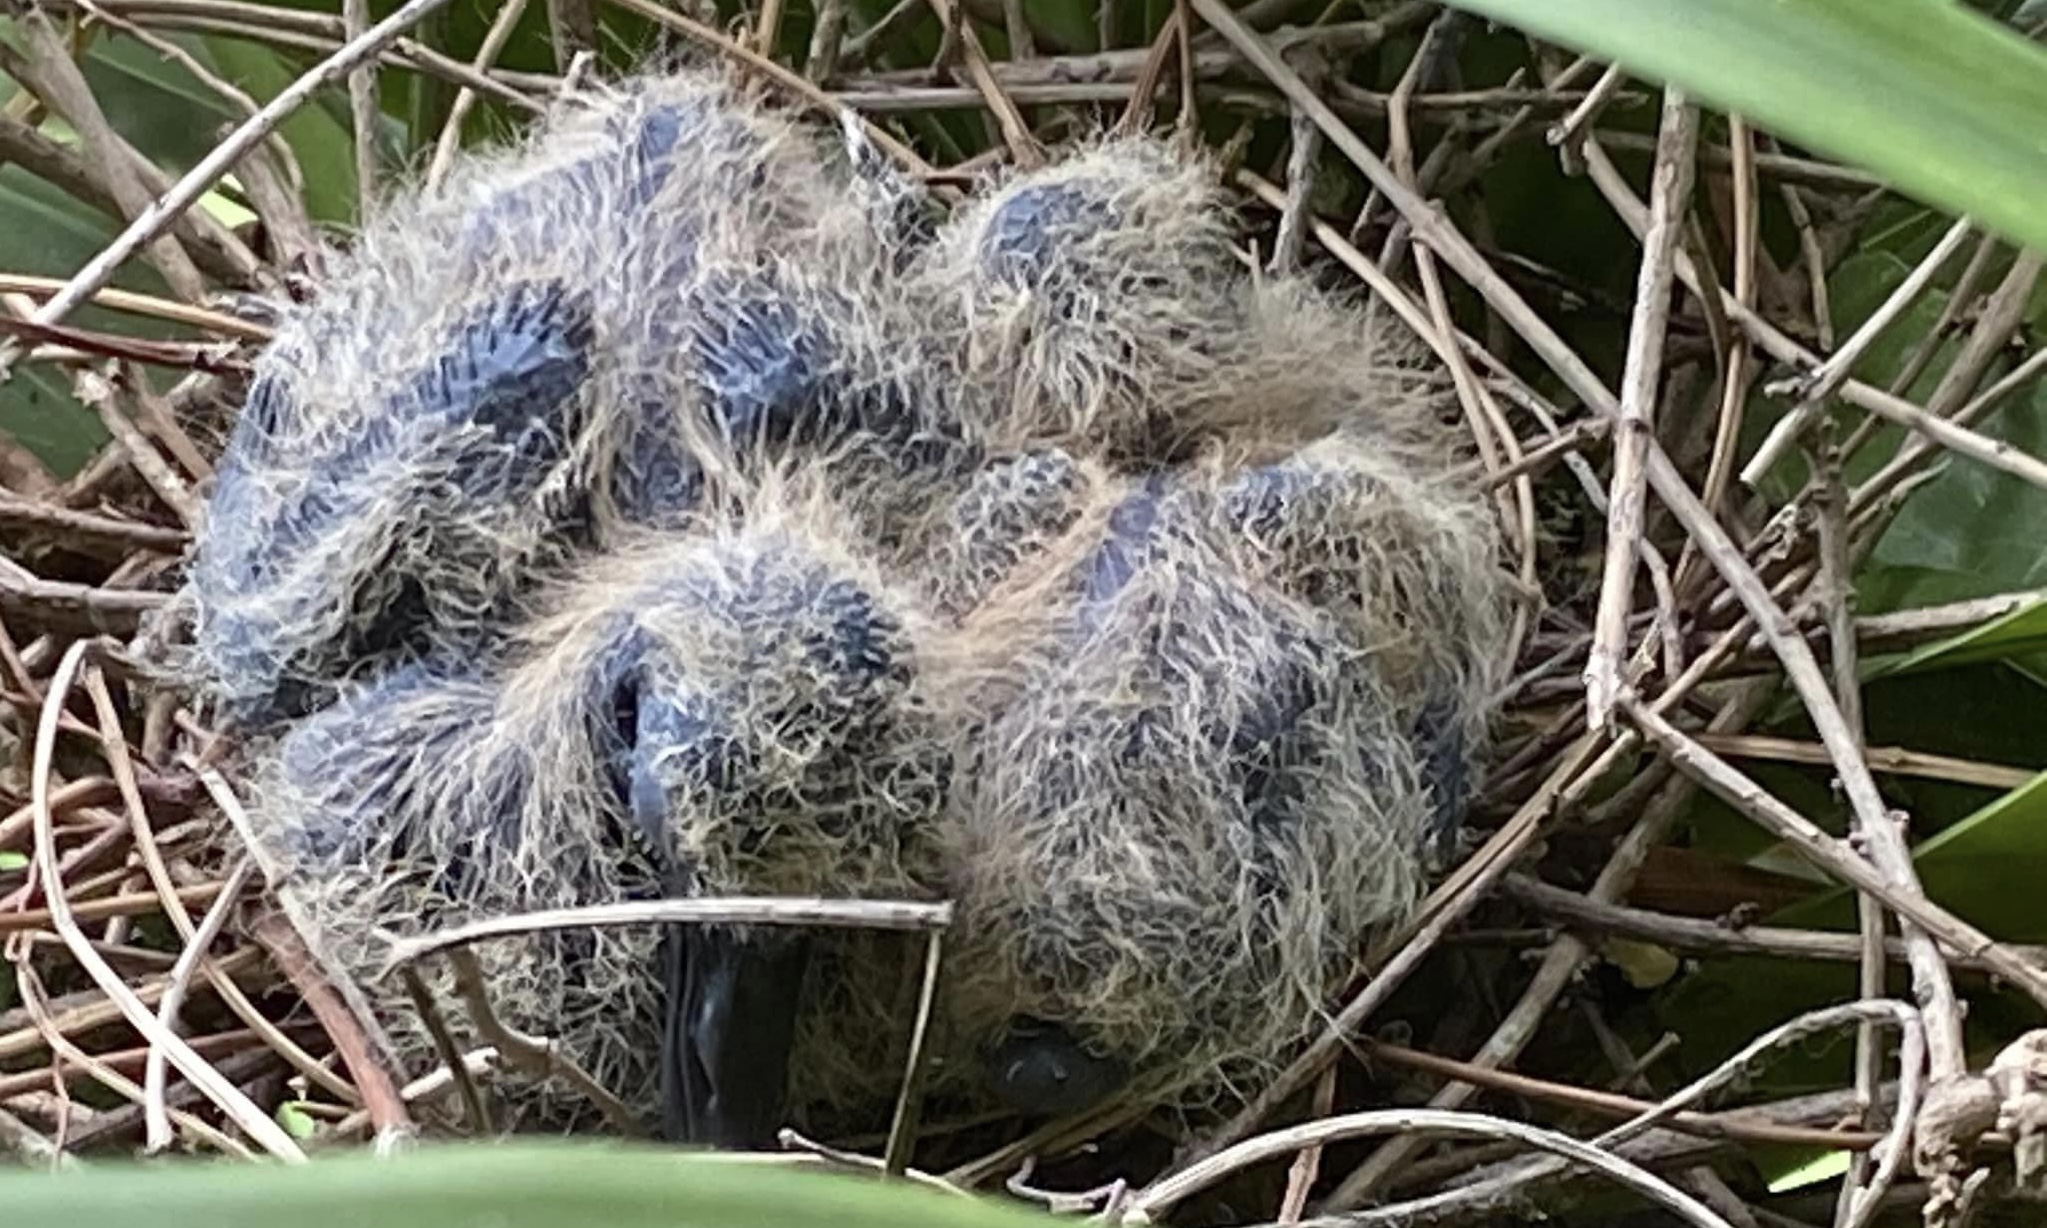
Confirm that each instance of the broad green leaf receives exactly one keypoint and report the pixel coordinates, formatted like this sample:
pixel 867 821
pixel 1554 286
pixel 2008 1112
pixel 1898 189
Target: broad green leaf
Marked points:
pixel 1972 532
pixel 325 148
pixel 155 102
pixel 43 231
pixel 1942 102
pixel 481 1185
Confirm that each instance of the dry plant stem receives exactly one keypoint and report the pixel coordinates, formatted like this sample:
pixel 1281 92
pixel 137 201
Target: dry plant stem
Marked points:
pixel 1890 1154
pixel 230 993
pixel 234 94
pixel 231 1101
pixel 1890 760
pixel 475 1064
pixel 573 27
pixel 1887 845
pixel 1836 857
pixel 730 910
pixel 821 63
pixel 494 40
pixel 1835 592
pixel 1696 936
pixel 196 182
pixel 768 27
pixel 321 33
pixel 1819 384
pixel 1149 1204
pixel 537 1056
pixel 1050 1139
pixel 857 50
pixel 1962 301
pixel 61 1048
pixel 806 1149
pixel 97 391
pixel 158 420
pixel 1572 441
pixel 1736 376
pixel 1304 149
pixel 156 1118
pixel 1300 1177
pixel 1497 444
pixel 45 67
pixel 143 305
pixel 87 531
pixel 1566 132
pixel 2001 318
pixel 138 904
pixel 475 1107
pixel 1608 1104
pixel 373 1083
pixel 1670 204
pixel 1493 1193
pixel 1016 134
pixel 902 1134
pixel 1940 431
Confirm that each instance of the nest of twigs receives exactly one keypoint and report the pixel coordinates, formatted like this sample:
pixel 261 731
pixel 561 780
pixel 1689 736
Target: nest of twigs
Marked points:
pixel 1513 1052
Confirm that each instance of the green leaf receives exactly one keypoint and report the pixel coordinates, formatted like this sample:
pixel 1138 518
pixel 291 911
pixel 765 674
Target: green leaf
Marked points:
pixel 471 1185
pixel 325 147
pixel 1829 1166
pixel 1971 532
pixel 13 859
pixel 296 1121
pixel 1941 101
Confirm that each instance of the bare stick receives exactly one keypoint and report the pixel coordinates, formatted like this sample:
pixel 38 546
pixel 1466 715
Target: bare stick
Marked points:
pixel 362 107
pixel 902 1133
pixel 46 68
pixel 1670 204
pixel 1566 131
pixel 730 910
pixel 157 1120
pixel 475 1107
pixel 494 40
pixel 1734 383
pixel 538 1056
pixel 1820 383
pixel 1692 934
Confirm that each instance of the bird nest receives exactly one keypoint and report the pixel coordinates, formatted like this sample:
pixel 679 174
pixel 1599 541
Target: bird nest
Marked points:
pixel 257 839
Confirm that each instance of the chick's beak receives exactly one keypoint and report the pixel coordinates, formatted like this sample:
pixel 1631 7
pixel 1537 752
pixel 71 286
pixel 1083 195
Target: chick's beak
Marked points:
pixel 730 999
pixel 727 1029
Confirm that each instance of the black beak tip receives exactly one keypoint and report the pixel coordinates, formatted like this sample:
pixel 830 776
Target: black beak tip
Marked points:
pixel 732 1001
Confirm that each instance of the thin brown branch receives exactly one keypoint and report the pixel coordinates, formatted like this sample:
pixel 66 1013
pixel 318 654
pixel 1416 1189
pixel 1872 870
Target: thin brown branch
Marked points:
pixel 1670 203
pixel 494 40
pixel 1694 936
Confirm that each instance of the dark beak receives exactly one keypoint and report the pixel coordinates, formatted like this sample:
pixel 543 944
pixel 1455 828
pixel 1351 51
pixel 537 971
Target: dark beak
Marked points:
pixel 729 996
pixel 727 1029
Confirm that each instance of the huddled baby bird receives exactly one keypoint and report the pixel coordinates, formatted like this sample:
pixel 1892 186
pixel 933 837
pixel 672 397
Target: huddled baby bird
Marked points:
pixel 672 505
